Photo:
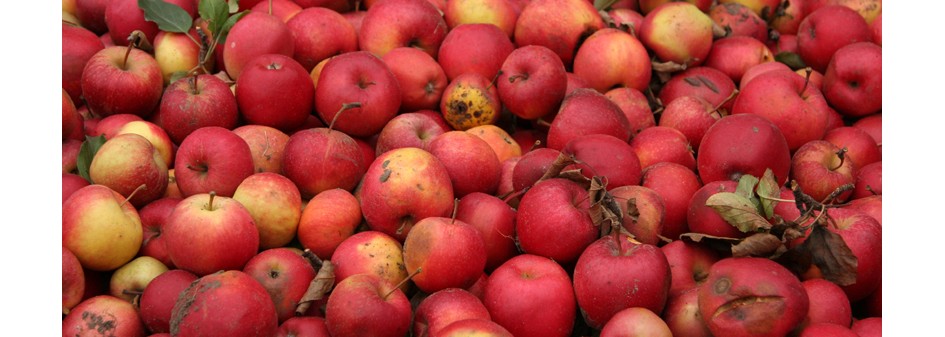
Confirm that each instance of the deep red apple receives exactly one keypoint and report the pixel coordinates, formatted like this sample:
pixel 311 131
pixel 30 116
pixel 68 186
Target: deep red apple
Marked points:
pixel 357 77
pixel 743 144
pixel 153 217
pixel 449 253
pixel 675 184
pixel 205 234
pixel 585 112
pixel 365 305
pixel 689 264
pixel 157 300
pixel 212 159
pixel 444 307
pixel 284 274
pixel 240 306
pixel 827 29
pixel 422 80
pixel 78 46
pixel 118 81
pixel 492 46
pixel 255 34
pixel 531 296
pixel 553 221
pixel 819 169
pixel 853 81
pixel 320 159
pixel 663 144
pixel 274 90
pixel 495 221
pixel 320 33
pixel 471 163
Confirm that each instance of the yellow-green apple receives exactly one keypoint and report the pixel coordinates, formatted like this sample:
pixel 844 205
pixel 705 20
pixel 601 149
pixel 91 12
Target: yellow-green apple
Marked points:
pixel 176 52
pixel 286 276
pixel 643 212
pixel 677 32
pixel 498 139
pixel 78 46
pixel 682 313
pixel 410 129
pixel 320 33
pixel 73 280
pixel 663 144
pixel 117 80
pixel 586 112
pixel 868 181
pixel 275 204
pixel 470 100
pixel 860 146
pixel 739 20
pixel 421 79
pixel 634 105
pixel 559 25
pixel 787 17
pixel 357 77
pixel 127 161
pixel 153 217
pixel 532 167
pixel 853 81
pixel 158 298
pixel 553 221
pixel 267 145
pixel 403 186
pixel 613 58
pixel 492 47
pixel 471 163
pixel 495 221
pixel 445 307
pixel 752 296
pixel 155 135
pixel 402 23
pixel 212 158
pixel 764 8
pixel 704 82
pixel 692 116
pixel 826 30
pixel 826 329
pixel 370 252
pixel 206 233
pixel 444 253
pixel 734 55
pixel 706 220
pixel 636 321
pixel 605 156
pixel 255 34
pixel 92 15
pixel 689 264
pixel 528 289
pixel 70 153
pixel 195 102
pixel 129 280
pixel 603 274
pixel 828 303
pixel 743 144
pixel 303 326
pixel 647 6
pixel 532 82
pixel 122 17
pixel 877 28
pixel 474 327
pixel 366 305
pixel 239 304
pixel 819 168
pixel 320 159
pixel 285 10
pixel 764 67
pixel 675 184
pixel 274 90
pixel 71 183
pixel 103 315
pixel 501 13
pixel 327 220
pixel 868 327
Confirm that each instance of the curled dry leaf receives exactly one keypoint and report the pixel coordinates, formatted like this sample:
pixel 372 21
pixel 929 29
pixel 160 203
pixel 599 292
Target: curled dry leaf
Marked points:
pixel 831 254
pixel 320 285
pixel 604 210
pixel 760 244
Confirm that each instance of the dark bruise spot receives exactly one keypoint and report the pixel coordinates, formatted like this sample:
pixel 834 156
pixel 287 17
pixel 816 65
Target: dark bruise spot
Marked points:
pixel 477 114
pixel 722 285
pixel 100 323
pixel 420 187
pixel 385 163
pixel 692 81
pixel 459 106
pixel 708 84
pixel 273 274
pixel 385 175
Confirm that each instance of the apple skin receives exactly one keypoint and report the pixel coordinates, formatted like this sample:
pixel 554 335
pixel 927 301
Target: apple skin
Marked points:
pixel 402 23
pixel 470 162
pixel 138 79
pixel 240 305
pixel 827 29
pixel 636 321
pixel 267 146
pixel 421 79
pixel 741 20
pixel 403 186
pixel 605 156
pixel 532 167
pixel 357 77
pixel 584 112
pixel 689 264
pixel 474 327
pixel 762 68
pixel 677 32
pixel 205 234
pixel 320 159
pixel 153 217
pixel 495 221
pixel 613 58
pixel 110 240
pixel 819 171
pixel 736 54
pixel 743 144
pixel 634 105
pixel 78 46
pixel 853 81
pixel 92 15
pixel 663 144
pixel 877 27
pixel 707 83
pixel 408 130
pixel 73 124
pixel 798 110
pixel 370 252
pixel 175 52
pixel 285 10
pixel 284 274
pixel 625 17
pixel 450 253
pixel 645 220
pixel 613 274
pixel 493 46
pixel 212 159
pixel 751 296
pixel 274 90
pixel 445 307
pixel 157 300
pixel 692 116
pixel 253 35
pixel 505 188
pixel 70 153
pixel 470 100
pixel 109 126
pixel 103 315
pixel 303 326
pixel 826 329
pixel 675 184
pixel 868 327
pixel 501 13
pixel 73 280
pixel 527 289
pixel 122 17
pixel 498 139
pixel 869 181
pixel 135 276
pixel 864 236
pixel 532 82
pixel 327 220
pixel 704 219
pixel 365 305
pixel 320 33
pixel 275 205
pixel 193 103
pixel 682 315
pixel 828 303
pixel 553 221
pixel 71 183
pixel 861 147
pixel 559 25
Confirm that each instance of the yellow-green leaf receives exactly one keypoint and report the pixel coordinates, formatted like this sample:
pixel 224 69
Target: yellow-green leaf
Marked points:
pixel 768 190
pixel 738 211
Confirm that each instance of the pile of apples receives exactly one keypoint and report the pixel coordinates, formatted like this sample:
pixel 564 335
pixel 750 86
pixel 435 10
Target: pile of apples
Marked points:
pixel 471 167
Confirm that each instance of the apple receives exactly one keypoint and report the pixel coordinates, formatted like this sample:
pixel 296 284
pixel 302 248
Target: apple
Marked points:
pixel 71 183
pixel 195 102
pixel 706 220
pixel 403 186
pixel 471 163
pixel 103 315
pixel 274 90
pixel 861 147
pixel 132 73
pixel 73 280
pixel 863 235
pixel 559 25
pixel 643 212
pixel 740 20
pixel 692 116
pixel 285 10
pixel 682 315
pixel 275 205
pixel 444 253
pixel 101 228
pixel 765 67
pixel 828 303
pixel 266 144
pixel 625 17
pixel 613 58
pixel 371 252
pixel 787 20
pixel 284 274
pixel 445 307
pixel 240 305
pixel 320 33
pixel 532 167
pixel 493 46
pixel 635 107
pixel 675 184
pixel 553 221
pixel 868 327
pixel 153 217
pixel 827 29
pixel 131 279
pixel 122 17
pixel 422 80
pixel 303 326
pixel 868 181
pixel 819 170
pixel 92 14
pixel 177 53
pixel 320 159
pixel 853 81
pixel 605 156
pixel 212 158
pixel 155 135
pixel 636 321
pixel 172 189
pixel 689 263
pixel 663 144
pixel 877 27
pixel 501 13
pixel 109 126
pixel 255 34
pixel 70 153
pixel 530 139
pixel 796 107
pixel 585 112
pixel 498 139
pixel 574 82
pixel 736 54
pixel 506 188
pixel 470 100
pixel 73 124
pixel 495 222
pixel 78 46
pixel 531 296
pixel 207 233
pixel 647 6
pixel 476 326
pixel 764 8
pixel 402 23
pixel 707 83
pixel 410 129
pixel 532 82
pixel 743 144
pixel 327 220
pixel 158 298
pixel 826 329
pixel 366 305
pixel 677 32
pixel 357 77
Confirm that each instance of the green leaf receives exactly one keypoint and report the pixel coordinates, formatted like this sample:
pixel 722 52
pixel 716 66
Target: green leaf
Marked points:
pixel 234 6
pixel 746 186
pixel 738 211
pixel 603 4
pixel 214 12
pixel 86 152
pixel 229 25
pixel 177 75
pixel 792 60
pixel 169 17
pixel 768 190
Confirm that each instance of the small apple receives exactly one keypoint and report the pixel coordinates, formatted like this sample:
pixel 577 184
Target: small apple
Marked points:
pixel 195 102
pixel 267 145
pixel 101 228
pixel 371 252
pixel 274 90
pixel 320 159
pixel 275 205
pixel 327 220
pixel 158 298
pixel 103 315
pixel 532 82
pixel 284 274
pixel 470 162
pixel 553 221
pixel 255 34
pixel 366 305
pixel 207 233
pixel 131 279
pixel 422 80
pixel 118 80
pixel 212 159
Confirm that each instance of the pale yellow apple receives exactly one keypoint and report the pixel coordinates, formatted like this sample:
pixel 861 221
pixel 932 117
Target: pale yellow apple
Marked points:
pixel 154 134
pixel 130 279
pixel 176 52
pixel 275 204
pixel 100 228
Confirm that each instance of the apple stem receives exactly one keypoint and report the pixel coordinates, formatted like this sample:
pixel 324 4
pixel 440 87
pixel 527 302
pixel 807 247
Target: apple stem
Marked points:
pixel 870 189
pixel 141 187
pixel 344 106
pixel 210 203
pixel 270 7
pixel 455 208
pixel 132 292
pixel 542 122
pixel 535 145
pixel 494 80
pixel 842 155
pixel 514 195
pixel 193 84
pixel 313 259
pixel 515 77
pixel 401 283
pixel 133 41
pixel 724 102
pixel 807 72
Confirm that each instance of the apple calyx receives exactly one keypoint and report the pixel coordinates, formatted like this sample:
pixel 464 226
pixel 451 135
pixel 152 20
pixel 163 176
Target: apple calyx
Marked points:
pixel 344 107
pixel 140 188
pixel 401 283
pixel 210 202
pixel 842 155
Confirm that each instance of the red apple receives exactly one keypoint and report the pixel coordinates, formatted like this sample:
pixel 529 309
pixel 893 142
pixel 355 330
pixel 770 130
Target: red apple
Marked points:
pixel 796 107
pixel 585 112
pixel 559 25
pixel 370 252
pixel 116 81
pixel 689 264
pixel 253 35
pixel 877 28
pixel 274 90
pixel 303 326
pixel 828 303
pixel 153 217
pixel 853 81
pixel 320 159
pixel 605 156
pixel 706 220
pixel 613 58
pixel 743 144
pixel 275 205
pixel 284 274
pixel 78 46
pixel 643 212
pixel 285 10
pixel 675 184
pixel 92 14
pixel 71 183
pixel 636 321
pixel 70 154
pixel 408 130
pixel 740 20
pixel 492 48
pixel 663 144
pixel 240 306
pixel 445 307
pixel 157 300
pixel 365 305
pixel 320 33
pixel 692 116
pixel 402 23
pixel 122 17
pixel 212 159
pixel 826 329
pixel 266 144
pixel 861 148
pixel 471 163
pixel 869 181
pixel 827 29
pixel 422 80
pixel 357 77
pixel 205 234
pixel 196 102
pixel 448 253
pixel 735 55
pixel 528 289
pixel 868 327
pixel 635 107
pixel 495 221
pixel 532 82
pixel 532 167
pixel 475 326
pixel 553 221
pixel 682 314
pixel 103 315
pixel 707 83
pixel 327 220
pixel 819 170
pixel 73 280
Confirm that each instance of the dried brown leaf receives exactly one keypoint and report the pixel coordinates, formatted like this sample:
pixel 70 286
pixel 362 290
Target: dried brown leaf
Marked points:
pixel 831 254
pixel 320 285
pixel 760 244
pixel 558 165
